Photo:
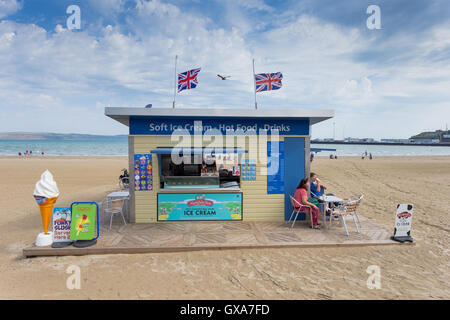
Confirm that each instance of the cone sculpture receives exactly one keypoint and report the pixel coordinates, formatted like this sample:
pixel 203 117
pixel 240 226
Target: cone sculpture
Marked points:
pixel 46 212
pixel 46 193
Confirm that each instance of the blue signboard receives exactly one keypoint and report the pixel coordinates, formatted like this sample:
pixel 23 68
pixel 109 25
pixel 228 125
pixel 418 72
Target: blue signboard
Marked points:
pixel 275 168
pixel 199 206
pixel 143 172
pixel 166 126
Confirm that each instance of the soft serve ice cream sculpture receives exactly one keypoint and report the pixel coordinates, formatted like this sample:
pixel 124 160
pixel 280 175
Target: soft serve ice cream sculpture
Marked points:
pixel 46 192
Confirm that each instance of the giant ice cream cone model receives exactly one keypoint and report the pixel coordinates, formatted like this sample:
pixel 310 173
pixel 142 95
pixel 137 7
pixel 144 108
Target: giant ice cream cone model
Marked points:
pixel 46 212
pixel 46 193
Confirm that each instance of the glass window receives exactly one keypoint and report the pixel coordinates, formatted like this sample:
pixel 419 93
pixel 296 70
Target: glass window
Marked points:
pixel 201 171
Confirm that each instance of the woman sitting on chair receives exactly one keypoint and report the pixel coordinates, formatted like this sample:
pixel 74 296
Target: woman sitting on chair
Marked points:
pixel 301 195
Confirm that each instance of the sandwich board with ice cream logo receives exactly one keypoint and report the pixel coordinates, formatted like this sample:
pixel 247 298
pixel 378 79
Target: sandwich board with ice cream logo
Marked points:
pixel 84 223
pixel 403 219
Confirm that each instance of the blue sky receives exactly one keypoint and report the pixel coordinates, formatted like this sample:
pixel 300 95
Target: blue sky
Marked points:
pixel 391 82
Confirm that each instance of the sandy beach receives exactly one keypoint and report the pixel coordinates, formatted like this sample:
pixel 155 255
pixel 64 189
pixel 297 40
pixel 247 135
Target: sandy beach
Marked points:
pixel 419 271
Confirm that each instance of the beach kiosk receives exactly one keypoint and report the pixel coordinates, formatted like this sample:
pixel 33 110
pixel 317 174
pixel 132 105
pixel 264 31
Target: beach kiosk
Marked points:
pixel 215 164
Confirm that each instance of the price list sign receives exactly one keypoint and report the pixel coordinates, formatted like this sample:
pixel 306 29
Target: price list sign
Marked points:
pixel 143 172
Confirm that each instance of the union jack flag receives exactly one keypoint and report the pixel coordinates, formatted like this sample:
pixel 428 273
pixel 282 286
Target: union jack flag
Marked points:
pixel 188 80
pixel 268 81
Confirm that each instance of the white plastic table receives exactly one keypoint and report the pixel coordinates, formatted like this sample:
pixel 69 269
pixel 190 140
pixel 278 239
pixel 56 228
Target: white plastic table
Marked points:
pixel 327 200
pixel 117 195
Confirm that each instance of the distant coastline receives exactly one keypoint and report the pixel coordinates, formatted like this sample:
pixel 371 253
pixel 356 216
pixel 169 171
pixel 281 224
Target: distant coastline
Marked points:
pixel 383 143
pixel 42 136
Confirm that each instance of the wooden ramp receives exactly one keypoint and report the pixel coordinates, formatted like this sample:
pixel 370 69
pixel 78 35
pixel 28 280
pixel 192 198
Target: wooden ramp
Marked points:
pixel 191 236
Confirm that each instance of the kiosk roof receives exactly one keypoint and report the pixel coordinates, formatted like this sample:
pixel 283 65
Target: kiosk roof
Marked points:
pixel 123 115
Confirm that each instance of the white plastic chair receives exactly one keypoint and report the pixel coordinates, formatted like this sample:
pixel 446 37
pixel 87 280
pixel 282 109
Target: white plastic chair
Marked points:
pixel 349 207
pixel 299 206
pixel 114 206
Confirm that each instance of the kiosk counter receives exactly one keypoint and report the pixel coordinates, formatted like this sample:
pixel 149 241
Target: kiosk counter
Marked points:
pixel 215 164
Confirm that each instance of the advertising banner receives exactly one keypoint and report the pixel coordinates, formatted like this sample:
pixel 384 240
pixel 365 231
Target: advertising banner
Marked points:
pixel 207 125
pixel 403 220
pixel 83 221
pixel 143 172
pixel 61 224
pixel 199 206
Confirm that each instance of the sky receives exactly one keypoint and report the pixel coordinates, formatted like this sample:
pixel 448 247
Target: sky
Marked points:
pixel 391 82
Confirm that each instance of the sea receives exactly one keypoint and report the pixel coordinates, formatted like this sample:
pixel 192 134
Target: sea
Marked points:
pixel 119 147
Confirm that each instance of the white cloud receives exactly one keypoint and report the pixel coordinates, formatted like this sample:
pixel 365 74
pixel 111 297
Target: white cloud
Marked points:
pixel 107 7
pixel 8 7
pixel 255 4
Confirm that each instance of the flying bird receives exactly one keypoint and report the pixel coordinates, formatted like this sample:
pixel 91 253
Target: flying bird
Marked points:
pixel 223 77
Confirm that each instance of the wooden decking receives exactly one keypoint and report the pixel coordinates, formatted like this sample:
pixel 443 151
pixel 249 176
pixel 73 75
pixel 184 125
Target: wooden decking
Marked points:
pixel 189 236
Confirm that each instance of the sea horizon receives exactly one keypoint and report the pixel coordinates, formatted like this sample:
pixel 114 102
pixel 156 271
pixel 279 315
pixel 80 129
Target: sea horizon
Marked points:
pixel 119 147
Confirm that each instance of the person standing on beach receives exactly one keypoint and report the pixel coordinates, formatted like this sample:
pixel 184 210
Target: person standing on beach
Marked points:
pixel 370 156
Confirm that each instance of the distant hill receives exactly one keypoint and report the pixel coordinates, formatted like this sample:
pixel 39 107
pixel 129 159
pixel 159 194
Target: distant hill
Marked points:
pixel 56 136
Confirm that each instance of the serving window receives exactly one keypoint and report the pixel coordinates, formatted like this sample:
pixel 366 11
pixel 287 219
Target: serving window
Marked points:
pixel 200 171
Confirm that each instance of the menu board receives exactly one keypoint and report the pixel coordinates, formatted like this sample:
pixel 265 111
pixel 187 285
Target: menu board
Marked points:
pixel 143 172
pixel 249 170
pixel 275 181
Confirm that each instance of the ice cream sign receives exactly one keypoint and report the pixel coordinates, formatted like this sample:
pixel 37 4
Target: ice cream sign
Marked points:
pixel 206 206
pixel 403 219
pixel 83 221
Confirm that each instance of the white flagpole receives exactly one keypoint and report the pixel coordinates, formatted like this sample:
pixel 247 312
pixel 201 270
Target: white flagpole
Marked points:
pixel 175 84
pixel 254 82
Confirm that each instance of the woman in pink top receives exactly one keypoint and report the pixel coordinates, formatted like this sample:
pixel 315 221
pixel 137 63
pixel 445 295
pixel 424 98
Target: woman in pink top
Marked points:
pixel 301 195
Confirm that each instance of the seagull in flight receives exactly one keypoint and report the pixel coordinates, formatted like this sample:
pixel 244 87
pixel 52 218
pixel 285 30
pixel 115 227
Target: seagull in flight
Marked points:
pixel 223 77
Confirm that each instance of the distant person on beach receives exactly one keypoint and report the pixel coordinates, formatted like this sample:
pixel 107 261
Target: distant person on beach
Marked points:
pixel 42 153
pixel 26 152
pixel 20 154
pixel 335 156
pixel 362 157
pixel 312 157
pixel 301 195
pixel 370 156
pixel 331 156
pixel 31 153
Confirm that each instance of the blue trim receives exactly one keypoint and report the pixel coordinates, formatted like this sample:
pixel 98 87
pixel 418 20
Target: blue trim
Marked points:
pixel 321 149
pixel 197 150
pixel 98 217
pixel 294 171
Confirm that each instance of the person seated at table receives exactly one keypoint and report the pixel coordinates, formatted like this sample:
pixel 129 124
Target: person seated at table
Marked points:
pixel 301 195
pixel 317 189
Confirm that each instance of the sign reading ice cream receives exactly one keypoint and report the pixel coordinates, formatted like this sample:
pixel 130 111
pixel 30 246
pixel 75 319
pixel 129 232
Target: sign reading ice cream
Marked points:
pixel 199 206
